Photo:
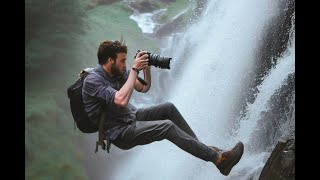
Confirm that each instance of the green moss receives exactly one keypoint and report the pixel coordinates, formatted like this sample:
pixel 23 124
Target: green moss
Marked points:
pixel 113 22
pixel 57 47
pixel 51 37
pixel 49 136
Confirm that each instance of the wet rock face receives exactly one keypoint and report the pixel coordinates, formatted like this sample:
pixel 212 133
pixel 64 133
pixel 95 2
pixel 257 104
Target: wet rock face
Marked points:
pixel 277 121
pixel 281 163
pixel 275 40
pixel 144 6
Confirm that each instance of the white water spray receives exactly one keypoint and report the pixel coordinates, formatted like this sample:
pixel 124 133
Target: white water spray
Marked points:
pixel 271 83
pixel 222 47
pixel 146 21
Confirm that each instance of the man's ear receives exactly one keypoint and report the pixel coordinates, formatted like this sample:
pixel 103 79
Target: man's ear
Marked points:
pixel 110 59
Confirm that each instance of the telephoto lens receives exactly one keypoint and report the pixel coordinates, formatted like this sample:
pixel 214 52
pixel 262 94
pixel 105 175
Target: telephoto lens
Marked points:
pixel 159 61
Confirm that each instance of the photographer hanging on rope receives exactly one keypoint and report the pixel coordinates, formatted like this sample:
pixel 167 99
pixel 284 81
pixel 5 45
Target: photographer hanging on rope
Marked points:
pixel 108 88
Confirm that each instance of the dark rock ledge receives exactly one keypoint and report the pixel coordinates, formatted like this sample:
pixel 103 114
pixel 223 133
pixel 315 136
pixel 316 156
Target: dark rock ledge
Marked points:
pixel 281 163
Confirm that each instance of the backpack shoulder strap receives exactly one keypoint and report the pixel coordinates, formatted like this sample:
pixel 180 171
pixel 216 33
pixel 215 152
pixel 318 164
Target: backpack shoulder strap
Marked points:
pixel 84 72
pixel 101 124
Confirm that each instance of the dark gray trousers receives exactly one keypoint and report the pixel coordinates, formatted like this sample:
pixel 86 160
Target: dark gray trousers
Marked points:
pixel 160 122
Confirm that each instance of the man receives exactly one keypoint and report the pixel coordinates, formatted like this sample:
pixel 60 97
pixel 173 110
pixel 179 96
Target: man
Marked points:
pixel 127 126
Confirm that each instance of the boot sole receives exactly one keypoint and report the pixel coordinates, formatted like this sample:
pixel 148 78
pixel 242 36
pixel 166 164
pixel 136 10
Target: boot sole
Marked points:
pixel 228 169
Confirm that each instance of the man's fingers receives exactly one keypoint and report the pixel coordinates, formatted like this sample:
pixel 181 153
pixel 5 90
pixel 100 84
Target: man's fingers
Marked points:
pixel 142 65
pixel 142 53
pixel 144 56
pixel 144 60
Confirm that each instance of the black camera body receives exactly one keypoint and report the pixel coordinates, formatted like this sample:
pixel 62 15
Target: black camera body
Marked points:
pixel 158 61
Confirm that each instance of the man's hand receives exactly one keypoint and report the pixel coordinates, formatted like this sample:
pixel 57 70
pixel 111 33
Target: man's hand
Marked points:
pixel 141 60
pixel 141 87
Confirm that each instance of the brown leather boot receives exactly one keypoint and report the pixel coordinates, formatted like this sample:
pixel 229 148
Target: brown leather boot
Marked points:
pixel 227 159
pixel 217 150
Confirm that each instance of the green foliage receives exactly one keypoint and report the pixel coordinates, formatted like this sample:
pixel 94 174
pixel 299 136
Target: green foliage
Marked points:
pixel 61 38
pixel 49 150
pixel 51 35
pixel 113 22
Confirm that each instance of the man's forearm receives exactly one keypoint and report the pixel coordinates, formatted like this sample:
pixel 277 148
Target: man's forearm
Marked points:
pixel 123 96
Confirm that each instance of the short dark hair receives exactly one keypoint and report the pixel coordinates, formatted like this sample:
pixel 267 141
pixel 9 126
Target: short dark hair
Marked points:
pixel 109 49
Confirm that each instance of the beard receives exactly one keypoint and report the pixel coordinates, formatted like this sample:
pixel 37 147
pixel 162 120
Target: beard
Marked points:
pixel 114 70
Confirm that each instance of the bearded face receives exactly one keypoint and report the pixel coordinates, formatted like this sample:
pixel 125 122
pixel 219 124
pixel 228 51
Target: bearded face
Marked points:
pixel 114 70
pixel 118 66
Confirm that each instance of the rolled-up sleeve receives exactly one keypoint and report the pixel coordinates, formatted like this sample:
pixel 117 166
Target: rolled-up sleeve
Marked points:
pixel 97 88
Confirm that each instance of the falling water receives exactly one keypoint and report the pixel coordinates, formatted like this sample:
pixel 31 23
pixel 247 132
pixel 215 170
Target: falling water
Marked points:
pixel 145 20
pixel 212 59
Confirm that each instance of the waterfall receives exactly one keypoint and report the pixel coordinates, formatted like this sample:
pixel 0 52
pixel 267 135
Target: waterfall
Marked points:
pixel 145 20
pixel 211 64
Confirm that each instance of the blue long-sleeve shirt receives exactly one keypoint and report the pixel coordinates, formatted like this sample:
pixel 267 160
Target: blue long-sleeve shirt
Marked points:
pixel 99 91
